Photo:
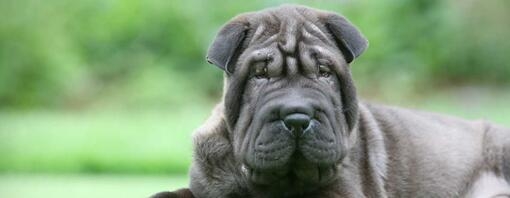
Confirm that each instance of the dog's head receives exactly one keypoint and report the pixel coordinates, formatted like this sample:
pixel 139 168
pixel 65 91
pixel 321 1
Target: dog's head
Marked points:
pixel 289 99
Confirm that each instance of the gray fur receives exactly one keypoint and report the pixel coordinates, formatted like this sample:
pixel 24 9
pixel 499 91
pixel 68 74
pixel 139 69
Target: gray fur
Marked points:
pixel 378 151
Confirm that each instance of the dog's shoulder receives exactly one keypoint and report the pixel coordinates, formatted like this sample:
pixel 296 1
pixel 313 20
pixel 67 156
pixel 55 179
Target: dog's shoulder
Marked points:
pixel 210 140
pixel 214 172
pixel 506 156
pixel 497 151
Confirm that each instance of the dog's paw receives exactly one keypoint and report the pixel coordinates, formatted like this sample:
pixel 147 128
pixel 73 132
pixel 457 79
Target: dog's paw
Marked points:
pixel 181 193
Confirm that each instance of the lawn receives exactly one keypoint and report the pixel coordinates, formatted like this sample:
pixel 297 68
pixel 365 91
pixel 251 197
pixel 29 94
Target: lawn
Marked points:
pixel 146 141
pixel 86 186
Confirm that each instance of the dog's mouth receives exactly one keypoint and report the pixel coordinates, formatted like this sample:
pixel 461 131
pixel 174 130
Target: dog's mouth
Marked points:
pixel 277 145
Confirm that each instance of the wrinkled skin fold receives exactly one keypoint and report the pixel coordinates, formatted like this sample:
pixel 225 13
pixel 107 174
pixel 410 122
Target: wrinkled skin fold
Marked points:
pixel 290 123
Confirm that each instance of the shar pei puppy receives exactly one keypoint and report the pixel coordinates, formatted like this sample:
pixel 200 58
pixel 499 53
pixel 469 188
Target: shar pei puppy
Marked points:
pixel 290 123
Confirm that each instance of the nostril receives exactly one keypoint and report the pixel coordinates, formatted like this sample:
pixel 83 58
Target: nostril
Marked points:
pixel 297 121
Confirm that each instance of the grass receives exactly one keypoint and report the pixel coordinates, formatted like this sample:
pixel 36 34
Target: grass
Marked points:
pixel 97 142
pixel 86 186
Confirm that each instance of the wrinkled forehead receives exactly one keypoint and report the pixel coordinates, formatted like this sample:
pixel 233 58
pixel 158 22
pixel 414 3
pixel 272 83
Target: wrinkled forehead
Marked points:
pixel 288 28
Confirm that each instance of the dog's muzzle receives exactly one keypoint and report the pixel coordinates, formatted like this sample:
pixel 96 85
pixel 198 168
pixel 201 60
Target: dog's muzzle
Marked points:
pixel 296 144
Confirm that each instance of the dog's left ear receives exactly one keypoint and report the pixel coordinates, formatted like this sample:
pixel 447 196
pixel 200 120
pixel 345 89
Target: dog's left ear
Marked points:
pixel 348 38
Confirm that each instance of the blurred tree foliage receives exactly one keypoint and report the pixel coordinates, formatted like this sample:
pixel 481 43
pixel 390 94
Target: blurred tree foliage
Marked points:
pixel 58 53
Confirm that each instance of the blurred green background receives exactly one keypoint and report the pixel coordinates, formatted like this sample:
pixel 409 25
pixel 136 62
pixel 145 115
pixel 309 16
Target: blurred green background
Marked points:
pixel 98 98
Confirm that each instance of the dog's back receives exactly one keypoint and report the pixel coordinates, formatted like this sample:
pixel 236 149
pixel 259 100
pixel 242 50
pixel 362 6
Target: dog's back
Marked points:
pixel 430 152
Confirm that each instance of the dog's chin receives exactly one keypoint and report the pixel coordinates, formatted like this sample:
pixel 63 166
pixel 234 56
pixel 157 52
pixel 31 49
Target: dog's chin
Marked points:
pixel 301 175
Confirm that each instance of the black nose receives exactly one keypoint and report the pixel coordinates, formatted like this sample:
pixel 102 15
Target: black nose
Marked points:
pixel 296 115
pixel 297 122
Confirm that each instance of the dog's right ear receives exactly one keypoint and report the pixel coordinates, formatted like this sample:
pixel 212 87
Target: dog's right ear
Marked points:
pixel 227 44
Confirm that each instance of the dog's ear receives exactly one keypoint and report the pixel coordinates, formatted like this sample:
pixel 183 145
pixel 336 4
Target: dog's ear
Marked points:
pixel 348 38
pixel 227 44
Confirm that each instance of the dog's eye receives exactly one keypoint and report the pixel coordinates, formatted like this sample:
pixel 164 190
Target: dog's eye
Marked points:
pixel 261 72
pixel 324 71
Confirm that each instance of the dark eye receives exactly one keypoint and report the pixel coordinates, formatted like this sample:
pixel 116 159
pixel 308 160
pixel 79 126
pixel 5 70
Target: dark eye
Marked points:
pixel 324 71
pixel 261 71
